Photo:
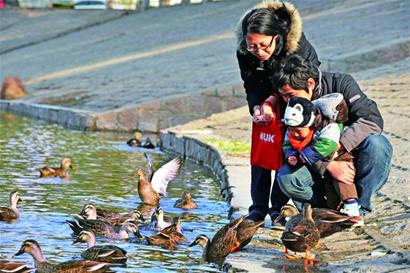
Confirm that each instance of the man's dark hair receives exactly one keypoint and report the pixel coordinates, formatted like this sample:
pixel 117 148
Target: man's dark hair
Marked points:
pixel 295 71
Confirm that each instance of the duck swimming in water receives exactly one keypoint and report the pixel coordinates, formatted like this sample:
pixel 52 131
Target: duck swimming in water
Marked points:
pixel 74 266
pixel 61 171
pixel 11 213
pixel 136 142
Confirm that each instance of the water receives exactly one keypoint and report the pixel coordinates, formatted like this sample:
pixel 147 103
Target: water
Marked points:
pixel 104 176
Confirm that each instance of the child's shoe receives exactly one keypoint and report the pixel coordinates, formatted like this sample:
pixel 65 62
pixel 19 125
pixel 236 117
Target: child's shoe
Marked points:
pixel 351 208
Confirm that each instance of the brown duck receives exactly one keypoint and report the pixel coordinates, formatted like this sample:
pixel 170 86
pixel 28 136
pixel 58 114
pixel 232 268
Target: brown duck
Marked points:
pixel 185 202
pixel 169 237
pixel 327 221
pixel 301 236
pixel 61 171
pixel 224 242
pixel 152 187
pixel 174 231
pixel 74 266
pixel 103 229
pixel 90 212
pixel 11 213
pixel 105 253
pixel 245 232
pixel 14 267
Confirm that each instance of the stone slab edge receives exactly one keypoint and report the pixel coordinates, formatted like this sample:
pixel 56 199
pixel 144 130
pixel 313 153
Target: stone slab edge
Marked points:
pixel 69 118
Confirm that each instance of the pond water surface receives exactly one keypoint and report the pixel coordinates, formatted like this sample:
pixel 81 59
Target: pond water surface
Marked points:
pixel 104 176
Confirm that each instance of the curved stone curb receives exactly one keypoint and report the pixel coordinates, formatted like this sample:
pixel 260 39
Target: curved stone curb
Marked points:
pixel 200 153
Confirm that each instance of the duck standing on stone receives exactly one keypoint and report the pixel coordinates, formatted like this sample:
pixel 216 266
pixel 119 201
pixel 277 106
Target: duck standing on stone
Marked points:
pixel 11 213
pixel 74 266
pixel 327 221
pixel 152 187
pixel 61 171
pixel 103 253
pixel 185 202
pixel 301 236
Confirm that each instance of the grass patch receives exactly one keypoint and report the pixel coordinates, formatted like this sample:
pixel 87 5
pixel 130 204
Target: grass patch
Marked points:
pixel 228 146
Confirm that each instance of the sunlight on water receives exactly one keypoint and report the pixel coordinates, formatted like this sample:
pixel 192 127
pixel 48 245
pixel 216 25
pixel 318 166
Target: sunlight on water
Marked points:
pixel 104 176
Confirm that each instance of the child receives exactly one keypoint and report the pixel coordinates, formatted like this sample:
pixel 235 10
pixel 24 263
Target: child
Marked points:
pixel 314 129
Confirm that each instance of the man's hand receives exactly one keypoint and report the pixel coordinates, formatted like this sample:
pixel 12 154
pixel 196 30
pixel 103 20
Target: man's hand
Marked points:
pixel 342 171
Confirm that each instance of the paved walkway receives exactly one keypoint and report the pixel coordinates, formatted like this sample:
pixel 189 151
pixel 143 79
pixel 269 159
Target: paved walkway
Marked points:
pixel 164 67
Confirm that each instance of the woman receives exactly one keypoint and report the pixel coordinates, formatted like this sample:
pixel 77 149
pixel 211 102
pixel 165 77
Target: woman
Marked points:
pixel 266 34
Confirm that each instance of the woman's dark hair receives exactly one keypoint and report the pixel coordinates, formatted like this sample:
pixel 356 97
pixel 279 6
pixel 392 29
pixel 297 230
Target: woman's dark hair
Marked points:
pixel 266 22
pixel 295 71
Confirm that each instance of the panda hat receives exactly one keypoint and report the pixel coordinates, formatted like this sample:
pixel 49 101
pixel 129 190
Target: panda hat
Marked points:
pixel 300 112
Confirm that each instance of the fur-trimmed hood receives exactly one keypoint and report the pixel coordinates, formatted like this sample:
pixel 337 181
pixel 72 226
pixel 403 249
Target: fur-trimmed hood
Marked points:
pixel 295 32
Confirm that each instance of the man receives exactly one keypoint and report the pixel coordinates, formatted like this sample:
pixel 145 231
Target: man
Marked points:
pixel 371 150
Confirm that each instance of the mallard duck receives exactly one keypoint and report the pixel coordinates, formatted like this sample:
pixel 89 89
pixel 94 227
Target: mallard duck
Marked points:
pixel 185 202
pixel 74 266
pixel 136 141
pixel 245 232
pixel 14 267
pixel 169 237
pixel 103 229
pixel 11 213
pixel 151 189
pixel 175 232
pixel 163 240
pixel 159 221
pixel 224 242
pixel 301 236
pixel 58 171
pixel 327 221
pixel 105 253
pixel 90 212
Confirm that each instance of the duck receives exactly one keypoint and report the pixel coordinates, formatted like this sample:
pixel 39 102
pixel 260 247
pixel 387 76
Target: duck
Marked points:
pixel 61 171
pixel 90 212
pixel 33 248
pixel 301 236
pixel 245 232
pixel 327 221
pixel 11 213
pixel 169 237
pixel 105 253
pixel 222 244
pixel 152 187
pixel 14 267
pixel 159 221
pixel 103 229
pixel 163 240
pixel 136 141
pixel 185 202
pixel 175 232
